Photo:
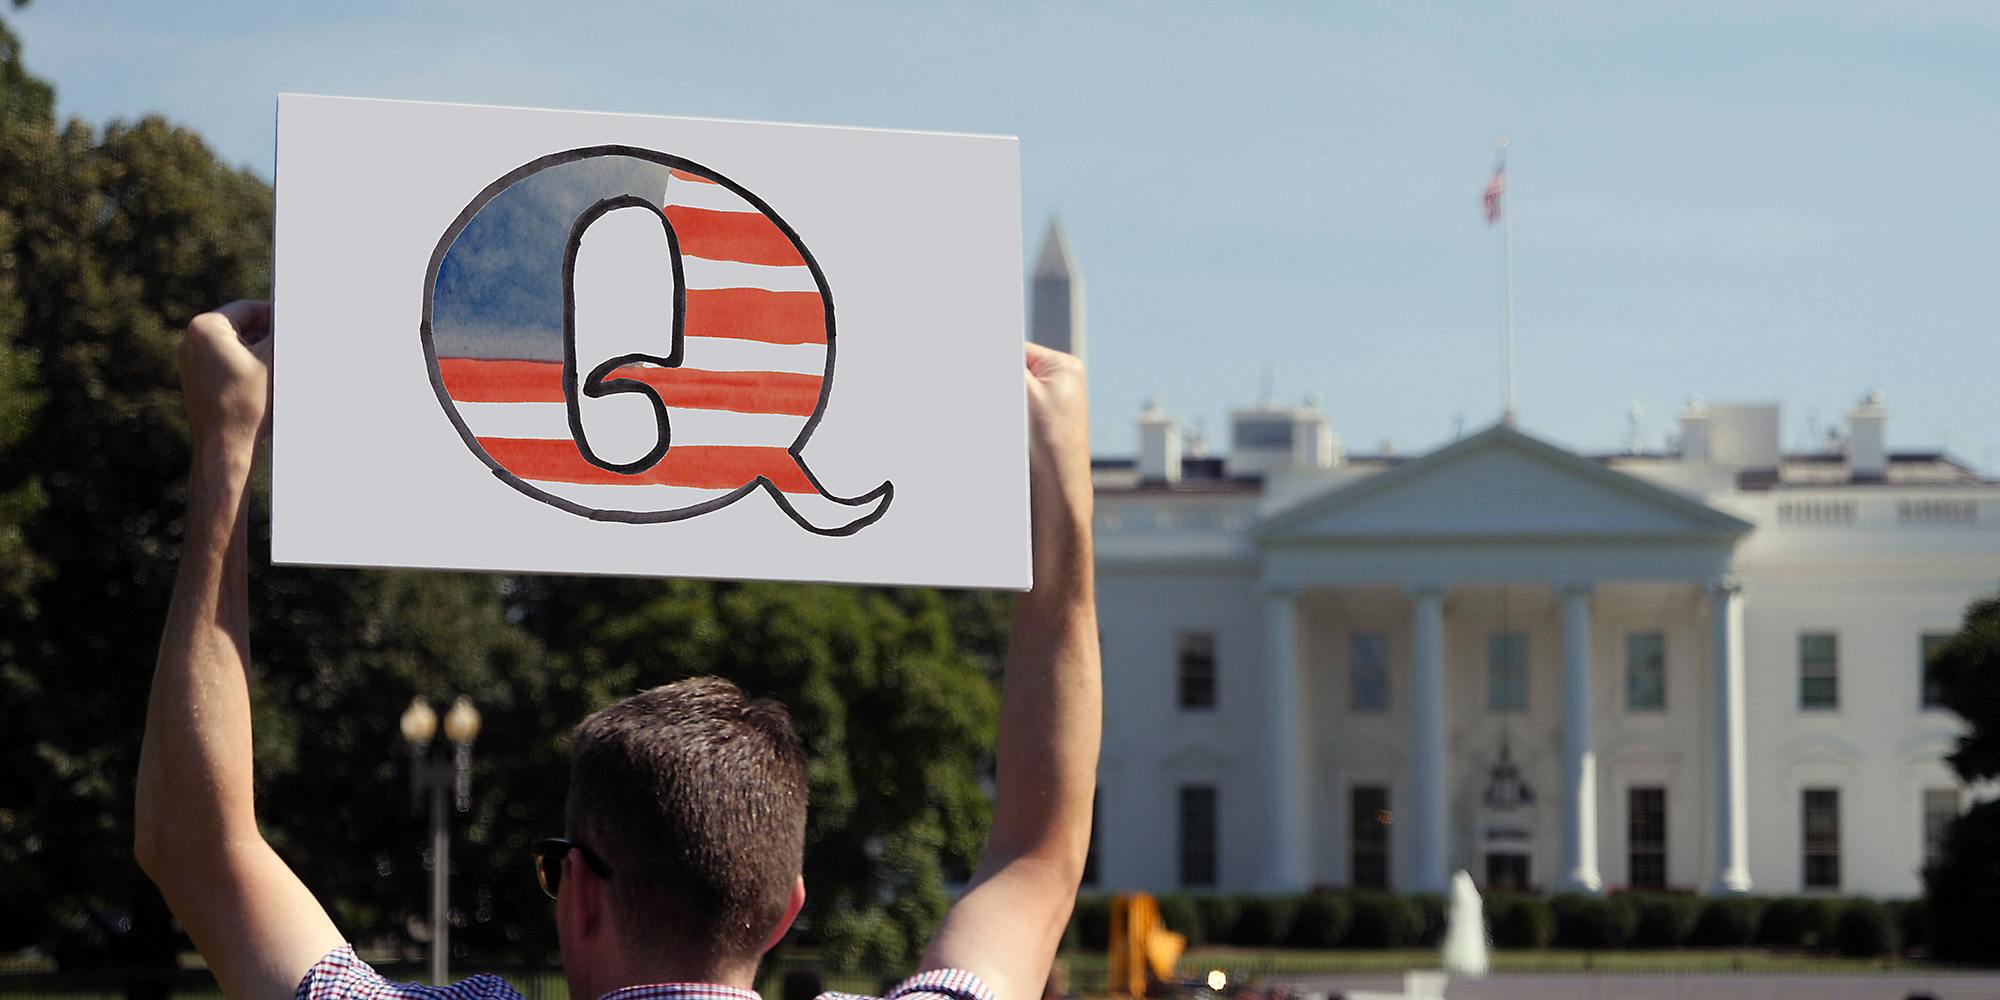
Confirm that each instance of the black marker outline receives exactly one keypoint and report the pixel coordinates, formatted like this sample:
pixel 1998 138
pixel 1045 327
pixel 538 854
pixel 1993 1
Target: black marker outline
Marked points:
pixel 885 493
pixel 595 384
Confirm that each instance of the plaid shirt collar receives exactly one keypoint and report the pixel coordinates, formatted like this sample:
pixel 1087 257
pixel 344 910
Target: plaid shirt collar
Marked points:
pixel 680 991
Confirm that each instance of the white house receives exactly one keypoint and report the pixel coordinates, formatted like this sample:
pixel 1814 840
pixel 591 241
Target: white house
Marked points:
pixel 1701 670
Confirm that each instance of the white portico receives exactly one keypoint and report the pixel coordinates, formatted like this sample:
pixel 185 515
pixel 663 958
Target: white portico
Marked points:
pixel 1498 518
pixel 1697 670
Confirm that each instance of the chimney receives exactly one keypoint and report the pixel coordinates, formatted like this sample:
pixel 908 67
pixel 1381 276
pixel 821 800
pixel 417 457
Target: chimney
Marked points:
pixel 1867 442
pixel 1694 431
pixel 1159 446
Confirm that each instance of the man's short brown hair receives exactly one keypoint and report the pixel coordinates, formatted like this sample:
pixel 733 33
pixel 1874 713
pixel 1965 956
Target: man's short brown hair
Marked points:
pixel 696 796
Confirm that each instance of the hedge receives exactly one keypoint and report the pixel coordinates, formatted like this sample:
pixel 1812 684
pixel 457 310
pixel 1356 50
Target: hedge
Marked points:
pixel 1728 922
pixel 1322 921
pixel 1263 921
pixel 1516 921
pixel 1178 912
pixel 1215 919
pixel 1593 922
pixel 1090 923
pixel 1382 920
pixel 1866 929
pixel 1377 919
pixel 1664 920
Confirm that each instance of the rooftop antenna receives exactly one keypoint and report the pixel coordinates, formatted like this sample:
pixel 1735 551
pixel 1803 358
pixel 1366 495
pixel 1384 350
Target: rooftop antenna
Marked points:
pixel 1635 416
pixel 1458 425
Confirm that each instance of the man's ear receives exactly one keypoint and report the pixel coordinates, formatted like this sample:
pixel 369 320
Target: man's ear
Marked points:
pixel 590 899
pixel 792 908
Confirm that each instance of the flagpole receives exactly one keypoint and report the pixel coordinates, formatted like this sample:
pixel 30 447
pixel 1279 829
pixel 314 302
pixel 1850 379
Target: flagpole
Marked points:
pixel 1506 291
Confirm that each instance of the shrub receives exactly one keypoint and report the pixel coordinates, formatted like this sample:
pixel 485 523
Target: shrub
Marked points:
pixel 1263 921
pixel 1592 922
pixel 1520 922
pixel 1179 913
pixel 1215 916
pixel 1913 919
pixel 1820 921
pixel 1866 929
pixel 1384 921
pixel 1090 923
pixel 1728 922
pixel 1322 921
pixel 1664 920
pixel 1962 891
pixel 1782 924
pixel 1434 912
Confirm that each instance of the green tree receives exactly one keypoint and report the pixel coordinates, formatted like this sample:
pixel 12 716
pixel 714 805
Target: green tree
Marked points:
pixel 1963 889
pixel 897 716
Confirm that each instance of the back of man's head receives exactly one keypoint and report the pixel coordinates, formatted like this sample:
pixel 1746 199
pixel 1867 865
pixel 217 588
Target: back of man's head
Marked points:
pixel 696 797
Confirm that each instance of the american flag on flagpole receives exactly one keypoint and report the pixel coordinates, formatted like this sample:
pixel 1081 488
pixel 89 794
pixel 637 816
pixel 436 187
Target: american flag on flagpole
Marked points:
pixel 1496 190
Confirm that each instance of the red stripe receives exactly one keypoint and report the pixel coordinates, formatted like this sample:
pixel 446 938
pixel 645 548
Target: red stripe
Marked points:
pixel 756 314
pixel 744 237
pixel 473 380
pixel 680 174
pixel 705 466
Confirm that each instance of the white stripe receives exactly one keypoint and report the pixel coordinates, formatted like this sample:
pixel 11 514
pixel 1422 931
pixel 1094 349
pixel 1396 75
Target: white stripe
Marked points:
pixel 550 422
pixel 703 273
pixel 726 354
pixel 713 197
pixel 642 497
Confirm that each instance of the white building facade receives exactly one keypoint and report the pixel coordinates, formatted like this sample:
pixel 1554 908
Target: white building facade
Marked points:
pixel 1699 670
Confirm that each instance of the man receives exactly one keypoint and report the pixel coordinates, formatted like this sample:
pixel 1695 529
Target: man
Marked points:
pixel 686 811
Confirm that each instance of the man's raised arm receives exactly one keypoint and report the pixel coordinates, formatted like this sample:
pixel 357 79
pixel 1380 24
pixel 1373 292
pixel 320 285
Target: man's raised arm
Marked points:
pixel 1007 925
pixel 196 825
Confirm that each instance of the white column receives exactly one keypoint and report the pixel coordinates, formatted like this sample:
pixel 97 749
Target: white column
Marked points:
pixel 1429 808
pixel 1288 868
pixel 1579 754
pixel 1732 820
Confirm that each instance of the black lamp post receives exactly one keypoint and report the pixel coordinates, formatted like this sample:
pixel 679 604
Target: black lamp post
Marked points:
pixel 433 776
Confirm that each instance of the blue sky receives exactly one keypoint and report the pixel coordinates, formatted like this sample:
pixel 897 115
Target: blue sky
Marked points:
pixel 1746 201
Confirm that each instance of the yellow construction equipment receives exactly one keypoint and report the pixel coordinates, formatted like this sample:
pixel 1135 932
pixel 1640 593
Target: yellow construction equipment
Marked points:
pixel 1143 950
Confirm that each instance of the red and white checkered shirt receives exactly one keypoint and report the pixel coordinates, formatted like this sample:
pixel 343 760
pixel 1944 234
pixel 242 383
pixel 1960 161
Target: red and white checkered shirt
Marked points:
pixel 341 975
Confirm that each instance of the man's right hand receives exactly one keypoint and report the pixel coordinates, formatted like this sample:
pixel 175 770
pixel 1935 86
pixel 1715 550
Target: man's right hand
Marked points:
pixel 1059 431
pixel 1006 927
pixel 225 362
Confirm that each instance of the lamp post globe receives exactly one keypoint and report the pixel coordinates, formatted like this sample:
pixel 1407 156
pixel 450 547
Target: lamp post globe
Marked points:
pixel 419 722
pixel 461 723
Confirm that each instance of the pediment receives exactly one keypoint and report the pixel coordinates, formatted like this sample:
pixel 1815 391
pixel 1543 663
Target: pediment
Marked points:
pixel 1500 484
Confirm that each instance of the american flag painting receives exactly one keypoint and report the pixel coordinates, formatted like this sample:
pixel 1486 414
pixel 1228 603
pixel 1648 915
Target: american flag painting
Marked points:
pixel 737 353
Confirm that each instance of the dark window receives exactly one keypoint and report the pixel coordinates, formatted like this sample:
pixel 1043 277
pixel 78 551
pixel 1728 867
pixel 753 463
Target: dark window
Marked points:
pixel 1820 811
pixel 1194 657
pixel 1368 681
pixel 1264 433
pixel 1090 852
pixel 1507 672
pixel 1369 845
pixel 1819 670
pixel 1940 809
pixel 1197 835
pixel 1932 694
pixel 1645 672
pixel 1646 837
pixel 1506 872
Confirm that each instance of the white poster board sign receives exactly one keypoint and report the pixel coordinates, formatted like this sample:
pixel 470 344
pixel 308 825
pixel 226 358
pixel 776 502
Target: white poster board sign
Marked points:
pixel 543 341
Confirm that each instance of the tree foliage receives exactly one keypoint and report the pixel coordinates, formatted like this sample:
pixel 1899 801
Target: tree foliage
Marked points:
pixel 109 241
pixel 1963 889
